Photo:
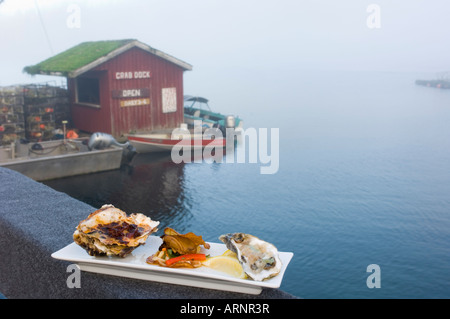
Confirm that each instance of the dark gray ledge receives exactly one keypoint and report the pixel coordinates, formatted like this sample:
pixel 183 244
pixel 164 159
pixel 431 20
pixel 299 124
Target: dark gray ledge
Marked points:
pixel 36 221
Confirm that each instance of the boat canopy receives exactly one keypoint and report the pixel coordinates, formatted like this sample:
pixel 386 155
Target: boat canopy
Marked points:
pixel 190 98
pixel 194 99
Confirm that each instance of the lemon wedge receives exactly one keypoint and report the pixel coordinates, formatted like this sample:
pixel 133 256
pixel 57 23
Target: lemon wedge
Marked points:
pixel 226 264
pixel 229 253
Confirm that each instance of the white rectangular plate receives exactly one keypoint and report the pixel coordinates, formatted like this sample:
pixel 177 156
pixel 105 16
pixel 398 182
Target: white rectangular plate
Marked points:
pixel 134 266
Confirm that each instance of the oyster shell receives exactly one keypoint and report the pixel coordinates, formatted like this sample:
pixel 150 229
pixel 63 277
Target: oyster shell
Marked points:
pixel 110 231
pixel 259 258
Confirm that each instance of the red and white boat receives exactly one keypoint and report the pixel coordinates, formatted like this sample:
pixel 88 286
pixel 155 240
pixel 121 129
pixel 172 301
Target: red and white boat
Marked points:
pixel 164 142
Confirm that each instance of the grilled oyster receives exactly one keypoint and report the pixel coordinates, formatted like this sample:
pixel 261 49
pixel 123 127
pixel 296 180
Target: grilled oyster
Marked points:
pixel 110 231
pixel 259 258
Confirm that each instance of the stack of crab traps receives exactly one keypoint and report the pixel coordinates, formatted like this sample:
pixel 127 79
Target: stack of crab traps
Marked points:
pixel 12 118
pixel 32 112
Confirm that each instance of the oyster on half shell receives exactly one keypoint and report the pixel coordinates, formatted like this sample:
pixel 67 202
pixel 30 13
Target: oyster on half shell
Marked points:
pixel 110 231
pixel 258 258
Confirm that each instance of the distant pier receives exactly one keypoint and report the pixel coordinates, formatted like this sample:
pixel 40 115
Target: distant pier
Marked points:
pixel 440 84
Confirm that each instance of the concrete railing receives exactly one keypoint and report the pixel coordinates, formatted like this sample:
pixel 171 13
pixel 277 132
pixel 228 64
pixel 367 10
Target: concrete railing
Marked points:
pixel 36 221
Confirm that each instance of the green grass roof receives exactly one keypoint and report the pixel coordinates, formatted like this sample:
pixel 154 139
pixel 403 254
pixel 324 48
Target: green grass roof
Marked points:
pixel 76 57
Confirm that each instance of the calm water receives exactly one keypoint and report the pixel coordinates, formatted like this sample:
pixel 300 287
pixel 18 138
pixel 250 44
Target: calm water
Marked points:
pixel 364 178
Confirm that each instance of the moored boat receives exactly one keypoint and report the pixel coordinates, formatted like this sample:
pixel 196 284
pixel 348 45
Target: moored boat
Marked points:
pixel 196 108
pixel 164 142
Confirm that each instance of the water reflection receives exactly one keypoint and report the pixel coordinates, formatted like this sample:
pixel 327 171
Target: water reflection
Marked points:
pixel 152 185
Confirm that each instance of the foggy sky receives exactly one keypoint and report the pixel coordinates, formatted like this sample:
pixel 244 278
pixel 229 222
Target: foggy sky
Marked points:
pixel 266 35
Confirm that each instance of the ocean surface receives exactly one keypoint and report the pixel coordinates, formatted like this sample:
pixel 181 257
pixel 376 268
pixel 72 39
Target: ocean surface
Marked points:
pixel 363 178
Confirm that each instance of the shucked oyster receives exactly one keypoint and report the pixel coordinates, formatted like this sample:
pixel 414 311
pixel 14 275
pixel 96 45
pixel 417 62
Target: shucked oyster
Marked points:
pixel 259 258
pixel 110 231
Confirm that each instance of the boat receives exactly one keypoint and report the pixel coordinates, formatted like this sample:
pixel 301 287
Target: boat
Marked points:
pixel 196 108
pixel 59 158
pixel 164 142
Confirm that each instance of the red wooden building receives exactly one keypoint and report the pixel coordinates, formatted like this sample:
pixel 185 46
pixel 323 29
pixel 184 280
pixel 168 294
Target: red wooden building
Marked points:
pixel 120 86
